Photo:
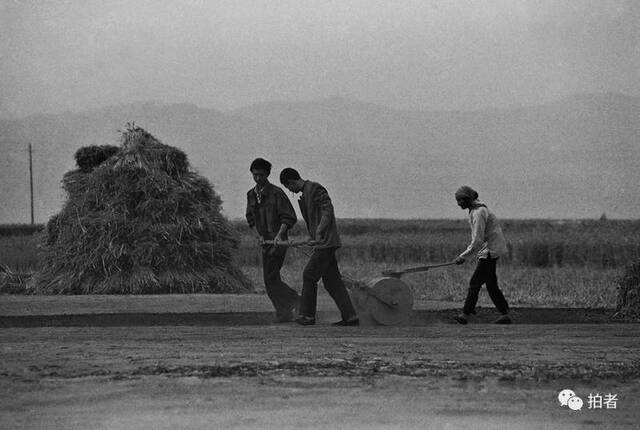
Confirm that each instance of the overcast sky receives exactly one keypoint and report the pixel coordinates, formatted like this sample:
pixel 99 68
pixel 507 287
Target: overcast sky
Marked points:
pixel 78 54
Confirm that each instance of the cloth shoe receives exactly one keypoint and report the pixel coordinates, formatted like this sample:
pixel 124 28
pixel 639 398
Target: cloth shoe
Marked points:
pixel 304 320
pixel 288 316
pixel 503 319
pixel 461 318
pixel 348 322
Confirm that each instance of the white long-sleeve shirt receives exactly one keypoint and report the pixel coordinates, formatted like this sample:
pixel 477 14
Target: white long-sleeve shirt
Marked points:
pixel 486 234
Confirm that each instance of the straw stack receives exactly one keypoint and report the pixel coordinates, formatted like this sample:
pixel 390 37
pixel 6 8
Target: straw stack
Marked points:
pixel 138 221
pixel 12 282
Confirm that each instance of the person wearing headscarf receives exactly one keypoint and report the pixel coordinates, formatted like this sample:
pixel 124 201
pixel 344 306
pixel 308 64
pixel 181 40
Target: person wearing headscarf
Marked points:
pixel 488 240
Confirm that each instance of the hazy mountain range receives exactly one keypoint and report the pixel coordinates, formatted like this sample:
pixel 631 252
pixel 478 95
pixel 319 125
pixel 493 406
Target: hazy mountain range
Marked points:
pixel 576 158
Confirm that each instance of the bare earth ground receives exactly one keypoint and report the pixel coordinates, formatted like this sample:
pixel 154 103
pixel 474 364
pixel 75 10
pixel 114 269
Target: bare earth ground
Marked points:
pixel 185 373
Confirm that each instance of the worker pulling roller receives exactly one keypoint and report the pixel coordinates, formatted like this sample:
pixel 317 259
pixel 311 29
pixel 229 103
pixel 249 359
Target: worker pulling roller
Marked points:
pixel 317 210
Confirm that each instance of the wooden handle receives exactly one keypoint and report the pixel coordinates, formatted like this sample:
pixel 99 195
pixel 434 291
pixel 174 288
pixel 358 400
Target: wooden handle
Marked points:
pixel 288 243
pixel 397 274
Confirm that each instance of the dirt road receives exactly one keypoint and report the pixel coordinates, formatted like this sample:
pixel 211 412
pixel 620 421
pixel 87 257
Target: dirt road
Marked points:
pixel 286 376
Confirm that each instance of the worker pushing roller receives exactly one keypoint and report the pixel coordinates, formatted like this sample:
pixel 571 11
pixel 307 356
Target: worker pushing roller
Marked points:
pixel 488 240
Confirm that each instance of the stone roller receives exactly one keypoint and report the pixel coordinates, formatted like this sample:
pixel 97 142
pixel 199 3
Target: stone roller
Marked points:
pixel 387 300
pixel 382 301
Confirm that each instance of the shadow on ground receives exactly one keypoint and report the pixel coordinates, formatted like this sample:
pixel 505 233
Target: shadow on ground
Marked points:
pixel 419 317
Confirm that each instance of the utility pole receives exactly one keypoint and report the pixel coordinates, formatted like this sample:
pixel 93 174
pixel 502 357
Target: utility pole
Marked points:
pixel 31 182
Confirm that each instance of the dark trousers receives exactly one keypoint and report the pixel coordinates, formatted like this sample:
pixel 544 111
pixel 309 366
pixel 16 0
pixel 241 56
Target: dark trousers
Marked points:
pixel 283 297
pixel 323 264
pixel 485 273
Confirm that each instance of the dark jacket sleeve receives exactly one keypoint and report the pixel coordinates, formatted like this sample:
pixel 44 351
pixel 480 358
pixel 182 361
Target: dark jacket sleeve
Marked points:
pixel 249 212
pixel 322 200
pixel 286 214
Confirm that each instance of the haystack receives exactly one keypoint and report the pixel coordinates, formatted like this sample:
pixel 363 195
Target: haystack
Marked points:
pixel 628 306
pixel 138 221
pixel 12 282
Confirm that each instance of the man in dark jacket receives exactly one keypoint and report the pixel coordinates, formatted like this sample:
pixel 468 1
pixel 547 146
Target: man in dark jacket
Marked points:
pixel 270 214
pixel 317 211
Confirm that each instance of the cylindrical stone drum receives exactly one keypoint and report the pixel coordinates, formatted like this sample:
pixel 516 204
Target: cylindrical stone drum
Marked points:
pixel 384 301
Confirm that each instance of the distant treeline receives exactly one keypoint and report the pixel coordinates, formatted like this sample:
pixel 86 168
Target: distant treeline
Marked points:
pixel 7 230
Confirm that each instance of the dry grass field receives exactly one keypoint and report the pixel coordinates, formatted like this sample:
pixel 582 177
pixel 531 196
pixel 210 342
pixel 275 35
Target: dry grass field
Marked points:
pixel 550 263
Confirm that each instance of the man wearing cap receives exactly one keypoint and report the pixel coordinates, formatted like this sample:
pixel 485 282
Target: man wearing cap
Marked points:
pixel 270 215
pixel 488 240
pixel 317 211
